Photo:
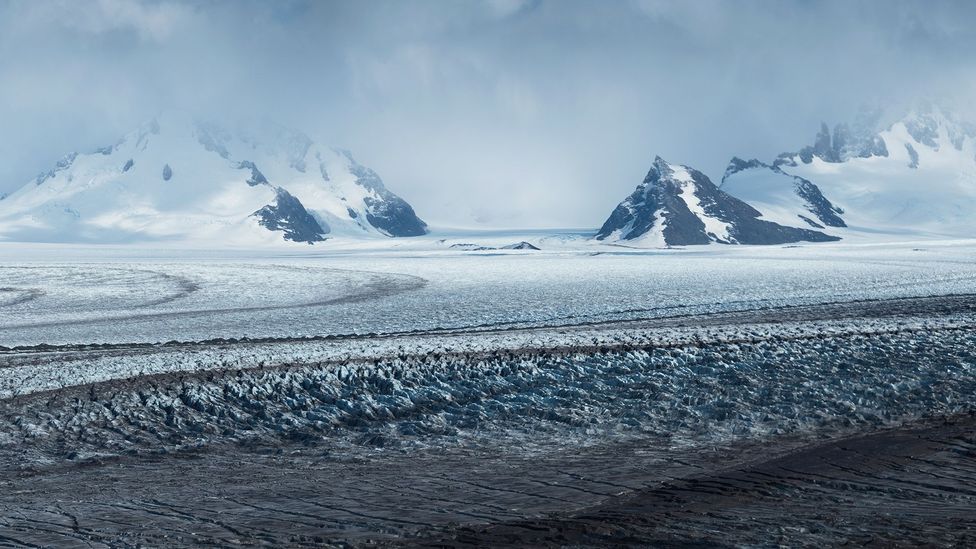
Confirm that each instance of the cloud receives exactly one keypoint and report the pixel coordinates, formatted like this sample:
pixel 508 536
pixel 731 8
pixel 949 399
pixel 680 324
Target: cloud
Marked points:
pixel 511 112
pixel 506 8
pixel 150 20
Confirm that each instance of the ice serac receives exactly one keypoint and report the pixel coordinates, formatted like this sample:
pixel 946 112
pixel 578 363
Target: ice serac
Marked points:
pixel 677 205
pixel 178 178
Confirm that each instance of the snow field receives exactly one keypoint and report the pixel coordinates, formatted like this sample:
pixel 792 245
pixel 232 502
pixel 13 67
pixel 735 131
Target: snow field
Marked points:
pixel 70 299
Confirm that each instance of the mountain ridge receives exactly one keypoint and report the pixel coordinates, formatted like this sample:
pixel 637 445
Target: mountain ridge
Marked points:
pixel 177 177
pixel 678 205
pixel 916 175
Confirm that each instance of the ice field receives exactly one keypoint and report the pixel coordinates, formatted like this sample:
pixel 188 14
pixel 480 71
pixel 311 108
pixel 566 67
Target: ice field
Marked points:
pixel 55 296
pixel 438 395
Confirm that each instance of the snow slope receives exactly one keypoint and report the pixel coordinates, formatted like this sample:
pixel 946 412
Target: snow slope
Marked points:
pixel 781 197
pixel 915 177
pixel 177 178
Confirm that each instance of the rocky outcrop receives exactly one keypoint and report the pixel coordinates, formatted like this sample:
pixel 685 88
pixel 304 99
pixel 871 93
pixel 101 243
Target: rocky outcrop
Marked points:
pixel 384 210
pixel 289 216
pixel 858 140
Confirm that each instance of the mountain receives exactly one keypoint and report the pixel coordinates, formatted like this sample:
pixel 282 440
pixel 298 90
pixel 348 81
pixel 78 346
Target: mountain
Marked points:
pixel 915 176
pixel 780 197
pixel 677 205
pixel 177 178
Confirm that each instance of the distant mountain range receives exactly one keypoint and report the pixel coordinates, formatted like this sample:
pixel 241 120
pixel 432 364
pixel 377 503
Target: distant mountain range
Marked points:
pixel 177 178
pixel 916 176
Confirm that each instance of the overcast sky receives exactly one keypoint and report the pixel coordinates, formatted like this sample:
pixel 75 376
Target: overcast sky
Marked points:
pixel 495 113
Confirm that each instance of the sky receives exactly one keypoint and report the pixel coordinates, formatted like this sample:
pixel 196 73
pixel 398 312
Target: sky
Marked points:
pixel 493 113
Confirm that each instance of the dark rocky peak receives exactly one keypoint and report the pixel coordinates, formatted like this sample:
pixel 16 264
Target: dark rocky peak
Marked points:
pixel 822 146
pixel 394 216
pixel 860 139
pixel 384 210
pixel 682 206
pixel 845 143
pixel 289 216
pixel 660 170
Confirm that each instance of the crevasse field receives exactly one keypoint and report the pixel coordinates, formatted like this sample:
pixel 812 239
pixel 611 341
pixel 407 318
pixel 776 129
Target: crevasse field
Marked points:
pixel 431 394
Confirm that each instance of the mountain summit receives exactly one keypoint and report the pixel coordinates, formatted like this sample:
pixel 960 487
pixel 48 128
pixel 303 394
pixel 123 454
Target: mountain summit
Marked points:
pixel 915 176
pixel 178 178
pixel 678 205
pixel 866 180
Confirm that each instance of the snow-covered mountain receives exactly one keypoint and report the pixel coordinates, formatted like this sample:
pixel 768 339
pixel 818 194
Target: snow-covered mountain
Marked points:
pixel 177 178
pixel 677 205
pixel 780 197
pixel 916 176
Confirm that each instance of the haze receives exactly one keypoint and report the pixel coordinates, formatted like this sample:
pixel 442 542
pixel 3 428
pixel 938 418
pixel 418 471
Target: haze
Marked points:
pixel 503 113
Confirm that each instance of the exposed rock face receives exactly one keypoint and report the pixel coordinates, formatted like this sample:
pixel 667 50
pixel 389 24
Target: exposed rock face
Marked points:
pixel 859 140
pixel 520 246
pixel 288 215
pixel 472 247
pixel 677 205
pixel 385 210
pixel 808 201
pixel 817 203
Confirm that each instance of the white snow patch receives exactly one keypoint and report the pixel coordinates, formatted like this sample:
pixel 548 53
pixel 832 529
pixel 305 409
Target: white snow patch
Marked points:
pixel 716 229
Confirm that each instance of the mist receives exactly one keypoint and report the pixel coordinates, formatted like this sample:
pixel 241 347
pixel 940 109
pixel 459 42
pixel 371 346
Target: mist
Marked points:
pixel 503 113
